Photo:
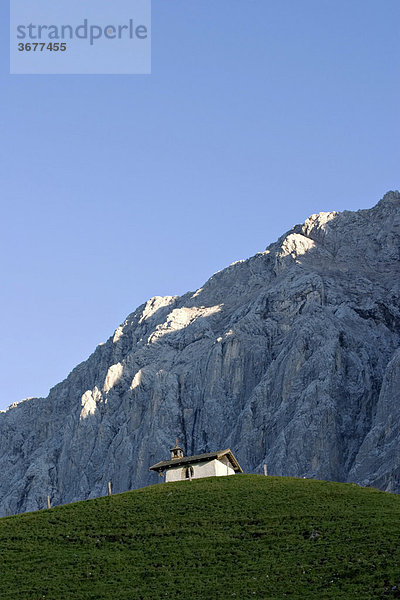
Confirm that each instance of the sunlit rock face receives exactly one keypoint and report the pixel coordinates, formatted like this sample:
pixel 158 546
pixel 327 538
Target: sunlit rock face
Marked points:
pixel 290 358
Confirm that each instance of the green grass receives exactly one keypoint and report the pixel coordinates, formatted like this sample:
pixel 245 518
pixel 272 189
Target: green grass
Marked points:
pixel 246 536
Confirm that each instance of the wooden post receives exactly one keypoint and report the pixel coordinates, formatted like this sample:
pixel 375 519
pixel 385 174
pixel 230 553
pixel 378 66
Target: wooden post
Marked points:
pixel 109 489
pixel 48 502
pixel 265 470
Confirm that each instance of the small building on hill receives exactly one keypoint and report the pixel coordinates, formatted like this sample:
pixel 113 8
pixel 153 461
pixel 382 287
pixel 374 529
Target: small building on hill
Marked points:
pixel 211 464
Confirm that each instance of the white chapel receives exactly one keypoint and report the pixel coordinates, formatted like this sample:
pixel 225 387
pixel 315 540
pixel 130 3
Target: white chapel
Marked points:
pixel 211 464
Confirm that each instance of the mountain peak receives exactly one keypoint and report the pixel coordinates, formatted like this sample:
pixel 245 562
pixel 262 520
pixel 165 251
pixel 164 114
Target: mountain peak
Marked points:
pixel 390 200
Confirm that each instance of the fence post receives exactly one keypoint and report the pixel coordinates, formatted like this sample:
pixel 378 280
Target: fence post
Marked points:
pixel 265 470
pixel 109 489
pixel 48 502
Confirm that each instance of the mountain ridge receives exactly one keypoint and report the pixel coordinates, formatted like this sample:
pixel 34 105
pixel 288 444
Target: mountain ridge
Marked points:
pixel 290 357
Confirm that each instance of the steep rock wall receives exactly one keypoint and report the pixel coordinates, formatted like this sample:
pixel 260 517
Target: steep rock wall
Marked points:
pixel 291 358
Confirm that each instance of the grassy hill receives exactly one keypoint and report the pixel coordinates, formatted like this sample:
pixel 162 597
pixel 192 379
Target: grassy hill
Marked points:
pixel 246 536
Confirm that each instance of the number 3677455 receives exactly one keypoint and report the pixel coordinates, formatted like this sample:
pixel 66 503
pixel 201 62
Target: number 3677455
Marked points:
pixel 42 46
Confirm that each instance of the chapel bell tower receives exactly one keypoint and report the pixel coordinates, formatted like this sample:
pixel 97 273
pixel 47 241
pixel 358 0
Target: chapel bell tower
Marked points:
pixel 177 451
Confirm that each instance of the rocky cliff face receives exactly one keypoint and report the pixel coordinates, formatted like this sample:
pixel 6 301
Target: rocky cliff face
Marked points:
pixel 291 358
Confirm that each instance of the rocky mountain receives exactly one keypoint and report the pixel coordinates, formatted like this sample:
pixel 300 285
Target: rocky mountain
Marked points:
pixel 291 358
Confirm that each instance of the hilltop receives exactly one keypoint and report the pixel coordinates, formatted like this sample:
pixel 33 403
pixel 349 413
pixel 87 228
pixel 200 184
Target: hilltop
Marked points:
pixel 245 536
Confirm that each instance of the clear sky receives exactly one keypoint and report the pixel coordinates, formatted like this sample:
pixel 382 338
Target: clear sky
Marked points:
pixel 114 189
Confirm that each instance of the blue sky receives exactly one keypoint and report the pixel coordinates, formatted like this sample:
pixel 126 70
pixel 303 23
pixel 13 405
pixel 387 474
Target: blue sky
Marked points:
pixel 118 188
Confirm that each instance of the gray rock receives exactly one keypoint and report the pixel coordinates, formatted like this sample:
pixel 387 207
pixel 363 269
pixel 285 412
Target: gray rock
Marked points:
pixel 291 358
